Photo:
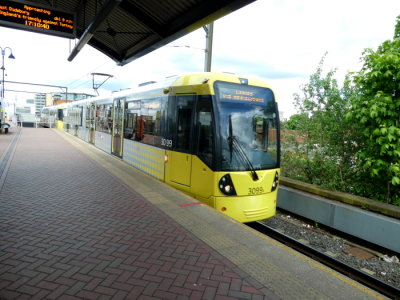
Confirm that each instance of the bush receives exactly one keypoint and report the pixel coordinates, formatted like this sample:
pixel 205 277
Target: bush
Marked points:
pixel 348 138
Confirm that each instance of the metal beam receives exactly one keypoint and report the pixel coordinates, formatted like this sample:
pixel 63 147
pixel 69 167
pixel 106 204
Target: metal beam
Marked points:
pixel 135 12
pixel 209 29
pixel 93 26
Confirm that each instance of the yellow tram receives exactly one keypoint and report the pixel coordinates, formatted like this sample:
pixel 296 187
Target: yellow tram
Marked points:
pixel 215 136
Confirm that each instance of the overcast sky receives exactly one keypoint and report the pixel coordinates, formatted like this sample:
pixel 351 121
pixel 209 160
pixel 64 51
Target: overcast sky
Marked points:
pixel 281 41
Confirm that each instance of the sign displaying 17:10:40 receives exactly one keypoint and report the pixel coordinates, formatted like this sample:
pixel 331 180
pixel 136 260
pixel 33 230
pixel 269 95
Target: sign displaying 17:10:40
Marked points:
pixel 39 18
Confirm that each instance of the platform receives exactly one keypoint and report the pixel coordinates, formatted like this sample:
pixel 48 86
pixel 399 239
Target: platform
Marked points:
pixel 76 223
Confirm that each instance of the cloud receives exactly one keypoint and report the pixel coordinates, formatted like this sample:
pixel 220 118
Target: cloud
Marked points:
pixel 281 41
pixel 259 69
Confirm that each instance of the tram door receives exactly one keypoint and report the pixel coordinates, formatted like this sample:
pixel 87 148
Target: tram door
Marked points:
pixel 91 122
pixel 180 166
pixel 118 127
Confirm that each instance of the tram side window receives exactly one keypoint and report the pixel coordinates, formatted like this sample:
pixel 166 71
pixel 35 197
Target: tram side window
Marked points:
pixel 150 121
pixel 205 132
pixel 80 115
pixel 75 116
pixel 104 118
pixel 132 111
pixel 108 121
pixel 44 115
pixel 184 122
pixel 65 117
pixel 143 120
pixel 53 116
pixel 97 117
pixel 130 124
pixel 60 114
pixel 71 116
pixel 87 117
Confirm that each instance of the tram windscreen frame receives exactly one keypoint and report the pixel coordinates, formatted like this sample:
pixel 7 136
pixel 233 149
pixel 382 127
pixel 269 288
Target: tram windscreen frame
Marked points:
pixel 248 127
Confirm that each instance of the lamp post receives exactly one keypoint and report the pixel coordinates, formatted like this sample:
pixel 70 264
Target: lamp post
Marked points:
pixel 3 53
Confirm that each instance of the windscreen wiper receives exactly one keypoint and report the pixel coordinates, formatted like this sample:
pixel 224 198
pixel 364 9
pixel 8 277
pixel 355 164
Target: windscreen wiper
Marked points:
pixel 239 149
pixel 235 145
pixel 230 138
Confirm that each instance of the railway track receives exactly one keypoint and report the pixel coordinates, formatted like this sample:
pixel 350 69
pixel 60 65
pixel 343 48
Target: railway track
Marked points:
pixel 344 268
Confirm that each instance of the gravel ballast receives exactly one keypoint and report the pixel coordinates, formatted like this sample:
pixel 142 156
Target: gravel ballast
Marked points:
pixel 385 266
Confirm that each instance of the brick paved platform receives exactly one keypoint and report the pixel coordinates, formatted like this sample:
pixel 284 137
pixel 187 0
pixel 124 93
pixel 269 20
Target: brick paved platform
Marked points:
pixel 76 223
pixel 5 140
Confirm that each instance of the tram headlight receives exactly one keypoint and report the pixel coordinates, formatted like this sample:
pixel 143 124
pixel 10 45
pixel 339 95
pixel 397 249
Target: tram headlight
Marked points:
pixel 227 189
pixel 226 185
pixel 275 182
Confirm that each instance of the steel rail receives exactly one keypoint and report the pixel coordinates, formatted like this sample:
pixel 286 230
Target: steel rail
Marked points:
pixel 358 275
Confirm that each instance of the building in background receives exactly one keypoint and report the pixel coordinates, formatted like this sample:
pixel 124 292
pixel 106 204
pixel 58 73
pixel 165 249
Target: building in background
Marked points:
pixel 40 102
pixel 70 96
pixel 25 114
pixel 50 99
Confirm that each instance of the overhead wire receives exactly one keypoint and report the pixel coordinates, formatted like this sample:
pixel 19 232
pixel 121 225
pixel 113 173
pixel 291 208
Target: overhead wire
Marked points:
pixel 79 80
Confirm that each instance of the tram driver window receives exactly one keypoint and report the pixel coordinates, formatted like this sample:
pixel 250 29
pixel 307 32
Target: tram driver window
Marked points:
pixel 205 132
pixel 184 122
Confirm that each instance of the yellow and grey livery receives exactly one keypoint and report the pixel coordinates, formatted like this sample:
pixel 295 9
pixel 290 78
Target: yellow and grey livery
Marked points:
pixel 215 136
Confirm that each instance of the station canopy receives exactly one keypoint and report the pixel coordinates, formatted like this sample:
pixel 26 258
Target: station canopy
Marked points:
pixel 125 30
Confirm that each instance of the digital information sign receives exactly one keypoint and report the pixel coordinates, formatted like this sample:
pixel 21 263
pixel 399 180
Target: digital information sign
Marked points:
pixel 243 93
pixel 35 17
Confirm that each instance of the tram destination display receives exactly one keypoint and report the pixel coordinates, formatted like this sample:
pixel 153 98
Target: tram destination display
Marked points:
pixel 229 92
pixel 39 18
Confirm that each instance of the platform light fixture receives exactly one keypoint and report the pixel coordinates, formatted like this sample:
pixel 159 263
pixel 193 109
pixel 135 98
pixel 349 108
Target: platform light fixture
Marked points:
pixel 11 56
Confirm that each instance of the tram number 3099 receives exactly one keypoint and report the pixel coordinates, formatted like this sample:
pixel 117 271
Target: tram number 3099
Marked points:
pixel 256 190
pixel 166 143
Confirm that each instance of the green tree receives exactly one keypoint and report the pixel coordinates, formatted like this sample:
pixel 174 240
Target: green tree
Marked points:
pixel 375 110
pixel 351 133
pixel 326 153
pixel 397 28
pixel 296 121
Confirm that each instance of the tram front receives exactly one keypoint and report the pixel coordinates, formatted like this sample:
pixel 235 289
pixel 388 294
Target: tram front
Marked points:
pixel 247 150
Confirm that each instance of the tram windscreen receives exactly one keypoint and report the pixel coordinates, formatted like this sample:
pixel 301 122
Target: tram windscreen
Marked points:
pixel 248 130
